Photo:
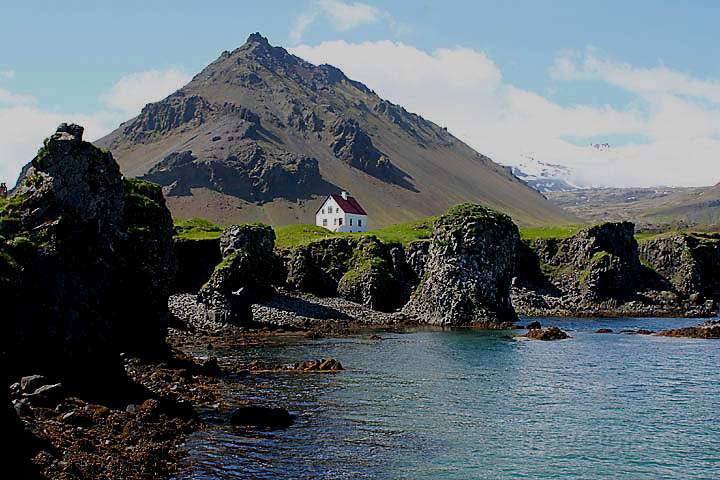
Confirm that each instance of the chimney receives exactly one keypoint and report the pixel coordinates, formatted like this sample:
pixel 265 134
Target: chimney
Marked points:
pixel 344 195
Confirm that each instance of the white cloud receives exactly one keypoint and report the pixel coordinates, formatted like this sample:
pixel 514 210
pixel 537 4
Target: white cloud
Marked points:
pixel 341 16
pixel 23 128
pixel 24 123
pixel 9 98
pixel 135 90
pixel 673 139
pixel 7 73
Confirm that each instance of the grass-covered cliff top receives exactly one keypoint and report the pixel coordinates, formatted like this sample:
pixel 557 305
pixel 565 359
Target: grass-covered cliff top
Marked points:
pixel 288 236
pixel 197 229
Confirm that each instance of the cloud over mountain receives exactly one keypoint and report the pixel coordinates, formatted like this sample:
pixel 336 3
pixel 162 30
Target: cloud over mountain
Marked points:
pixel 672 119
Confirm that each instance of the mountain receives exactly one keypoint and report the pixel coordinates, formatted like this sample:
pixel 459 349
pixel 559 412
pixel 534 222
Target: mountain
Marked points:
pixel 262 135
pixel 544 177
pixel 669 206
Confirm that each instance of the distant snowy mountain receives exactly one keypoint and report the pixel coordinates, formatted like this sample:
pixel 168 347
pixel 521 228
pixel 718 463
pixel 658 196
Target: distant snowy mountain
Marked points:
pixel 544 177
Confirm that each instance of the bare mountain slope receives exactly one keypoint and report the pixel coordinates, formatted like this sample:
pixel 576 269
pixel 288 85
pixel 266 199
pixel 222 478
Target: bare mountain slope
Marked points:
pixel 260 134
pixel 673 206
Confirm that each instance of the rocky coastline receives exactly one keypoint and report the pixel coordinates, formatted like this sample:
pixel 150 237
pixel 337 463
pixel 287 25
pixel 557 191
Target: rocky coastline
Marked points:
pixel 106 304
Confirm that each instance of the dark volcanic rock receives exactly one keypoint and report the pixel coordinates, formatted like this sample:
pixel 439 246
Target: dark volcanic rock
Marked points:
pixel 549 333
pixel 690 262
pixel 262 417
pixel 86 265
pixel 246 273
pixel 361 269
pixel 354 147
pixel 598 272
pixel 469 270
pixel 196 260
pixel 708 330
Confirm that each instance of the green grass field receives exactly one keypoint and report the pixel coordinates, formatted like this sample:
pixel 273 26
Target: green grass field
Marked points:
pixel 197 229
pixel 289 236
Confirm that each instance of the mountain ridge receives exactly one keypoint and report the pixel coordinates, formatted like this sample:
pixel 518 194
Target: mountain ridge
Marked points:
pixel 262 135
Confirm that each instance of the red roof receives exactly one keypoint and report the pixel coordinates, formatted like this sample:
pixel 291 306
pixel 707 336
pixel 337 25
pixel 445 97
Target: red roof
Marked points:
pixel 350 205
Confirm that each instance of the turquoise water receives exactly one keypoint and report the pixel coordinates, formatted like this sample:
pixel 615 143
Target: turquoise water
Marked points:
pixel 474 404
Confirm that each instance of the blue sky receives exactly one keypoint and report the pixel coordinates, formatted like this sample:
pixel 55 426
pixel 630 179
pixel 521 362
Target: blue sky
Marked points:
pixel 569 62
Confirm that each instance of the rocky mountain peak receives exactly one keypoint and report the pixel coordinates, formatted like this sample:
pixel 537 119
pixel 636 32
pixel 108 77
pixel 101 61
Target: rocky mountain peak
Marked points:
pixel 260 125
pixel 257 38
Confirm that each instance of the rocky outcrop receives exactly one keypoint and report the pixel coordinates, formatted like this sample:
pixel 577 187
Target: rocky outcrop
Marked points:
pixel 599 271
pixel 248 269
pixel 469 268
pixel 689 262
pixel 86 262
pixel 546 334
pixel 360 269
pixel 708 330
pixel 196 260
pixel 248 171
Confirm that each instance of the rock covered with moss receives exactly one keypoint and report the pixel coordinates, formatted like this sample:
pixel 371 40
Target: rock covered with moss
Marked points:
pixel 361 269
pixel 247 271
pixel 599 271
pixel 690 262
pixel 85 261
pixel 600 262
pixel 469 269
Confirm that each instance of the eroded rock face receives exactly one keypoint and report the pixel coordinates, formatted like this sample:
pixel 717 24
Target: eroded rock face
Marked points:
pixel 87 258
pixel 690 262
pixel 600 262
pixel 598 271
pixel 248 269
pixel 361 269
pixel 469 269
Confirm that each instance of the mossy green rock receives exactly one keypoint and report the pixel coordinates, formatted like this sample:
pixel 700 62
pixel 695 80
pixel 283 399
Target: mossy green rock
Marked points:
pixel 358 268
pixel 690 262
pixel 246 273
pixel 469 269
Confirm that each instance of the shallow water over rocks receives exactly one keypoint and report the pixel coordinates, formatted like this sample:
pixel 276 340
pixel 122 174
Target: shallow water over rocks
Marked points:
pixel 476 404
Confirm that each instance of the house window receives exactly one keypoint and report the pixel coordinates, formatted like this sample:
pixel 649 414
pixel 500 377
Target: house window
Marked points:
pixel 322 211
pixel 340 220
pixel 359 222
pixel 351 222
pixel 334 221
pixel 324 222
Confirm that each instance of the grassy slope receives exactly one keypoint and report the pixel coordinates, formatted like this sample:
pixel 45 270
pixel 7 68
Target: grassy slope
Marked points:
pixel 289 236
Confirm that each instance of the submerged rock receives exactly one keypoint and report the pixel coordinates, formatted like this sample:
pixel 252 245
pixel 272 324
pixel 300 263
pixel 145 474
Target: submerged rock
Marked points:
pixel 549 333
pixel 604 330
pixel 469 269
pixel 708 330
pixel 262 417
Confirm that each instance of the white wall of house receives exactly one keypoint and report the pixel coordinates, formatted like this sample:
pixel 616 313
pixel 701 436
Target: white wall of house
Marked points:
pixel 332 217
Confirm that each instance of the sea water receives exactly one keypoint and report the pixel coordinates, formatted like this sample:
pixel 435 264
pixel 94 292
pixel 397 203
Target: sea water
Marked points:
pixel 466 404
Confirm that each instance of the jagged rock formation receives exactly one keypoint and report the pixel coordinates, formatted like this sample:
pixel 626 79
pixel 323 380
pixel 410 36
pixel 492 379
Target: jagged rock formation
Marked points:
pixel 86 261
pixel 262 135
pixel 246 273
pixel 361 269
pixel 599 272
pixel 469 268
pixel 690 262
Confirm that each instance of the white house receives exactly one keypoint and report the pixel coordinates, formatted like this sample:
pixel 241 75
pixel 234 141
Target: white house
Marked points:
pixel 342 213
